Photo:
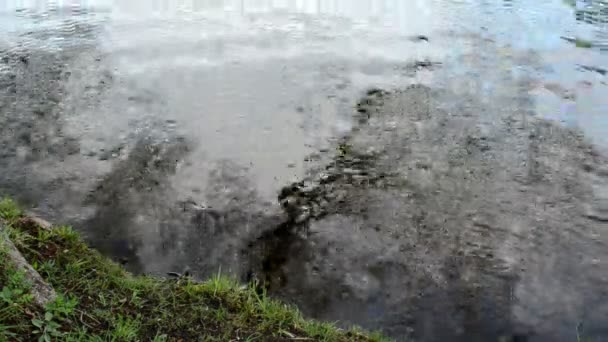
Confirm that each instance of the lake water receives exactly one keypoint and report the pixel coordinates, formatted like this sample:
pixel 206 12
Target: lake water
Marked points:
pixel 217 102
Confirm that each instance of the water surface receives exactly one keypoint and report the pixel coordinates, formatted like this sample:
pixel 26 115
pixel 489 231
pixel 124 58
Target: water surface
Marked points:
pixel 119 117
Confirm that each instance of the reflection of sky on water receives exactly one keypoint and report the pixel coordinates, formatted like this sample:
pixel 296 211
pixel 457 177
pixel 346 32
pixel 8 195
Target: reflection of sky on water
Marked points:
pixel 372 29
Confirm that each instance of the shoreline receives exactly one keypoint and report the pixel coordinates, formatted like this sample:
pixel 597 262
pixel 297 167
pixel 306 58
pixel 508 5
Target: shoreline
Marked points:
pixel 96 300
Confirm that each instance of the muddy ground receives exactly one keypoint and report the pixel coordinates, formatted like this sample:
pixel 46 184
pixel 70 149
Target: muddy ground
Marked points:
pixel 438 217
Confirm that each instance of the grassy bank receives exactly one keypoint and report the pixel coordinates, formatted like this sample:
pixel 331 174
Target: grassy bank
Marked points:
pixel 98 301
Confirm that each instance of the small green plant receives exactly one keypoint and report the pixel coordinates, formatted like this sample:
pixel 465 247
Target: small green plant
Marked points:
pixel 16 290
pixel 160 338
pixel 5 332
pixel 14 296
pixel 125 329
pixel 45 268
pixel 62 307
pixel 46 328
pixel 67 234
pixel 8 209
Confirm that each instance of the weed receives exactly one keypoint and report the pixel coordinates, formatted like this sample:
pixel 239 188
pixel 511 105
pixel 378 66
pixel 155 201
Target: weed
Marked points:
pixel 62 307
pixel 125 329
pixel 15 298
pixel 46 328
pixel 9 209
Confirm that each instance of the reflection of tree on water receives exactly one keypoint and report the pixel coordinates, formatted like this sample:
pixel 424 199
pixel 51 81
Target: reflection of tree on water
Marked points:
pixel 594 12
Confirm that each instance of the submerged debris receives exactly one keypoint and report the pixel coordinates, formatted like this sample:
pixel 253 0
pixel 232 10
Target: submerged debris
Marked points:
pixel 425 64
pixel 600 71
pixel 580 43
pixel 420 38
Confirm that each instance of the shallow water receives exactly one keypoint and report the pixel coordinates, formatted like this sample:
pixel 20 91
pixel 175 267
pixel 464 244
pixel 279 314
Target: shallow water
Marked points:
pixel 124 115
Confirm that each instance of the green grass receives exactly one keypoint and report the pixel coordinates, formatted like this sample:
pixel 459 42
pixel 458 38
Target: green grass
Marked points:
pixel 8 209
pixel 99 301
